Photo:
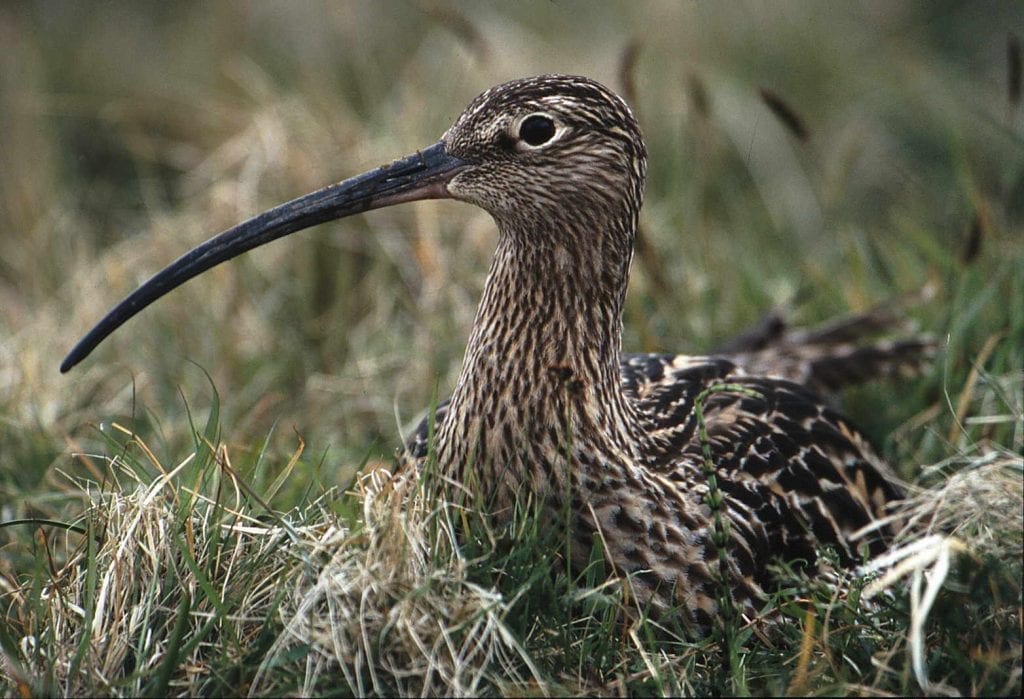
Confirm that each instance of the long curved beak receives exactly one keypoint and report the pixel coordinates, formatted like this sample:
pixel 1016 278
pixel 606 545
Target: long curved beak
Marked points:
pixel 423 175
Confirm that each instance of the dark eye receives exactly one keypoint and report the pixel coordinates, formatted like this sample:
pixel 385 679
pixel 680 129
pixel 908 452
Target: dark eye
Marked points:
pixel 537 129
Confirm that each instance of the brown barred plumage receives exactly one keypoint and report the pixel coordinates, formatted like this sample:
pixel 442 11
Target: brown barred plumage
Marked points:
pixel 547 407
pixel 543 375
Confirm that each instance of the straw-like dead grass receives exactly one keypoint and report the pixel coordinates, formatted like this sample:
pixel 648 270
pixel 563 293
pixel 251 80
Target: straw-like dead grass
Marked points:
pixel 181 586
pixel 976 514
pixel 392 609
pixel 169 587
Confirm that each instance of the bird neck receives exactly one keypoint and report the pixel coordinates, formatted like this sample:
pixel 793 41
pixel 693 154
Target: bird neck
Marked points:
pixel 541 372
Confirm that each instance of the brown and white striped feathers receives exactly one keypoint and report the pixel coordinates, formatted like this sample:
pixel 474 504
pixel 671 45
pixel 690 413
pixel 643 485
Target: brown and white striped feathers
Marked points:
pixel 547 407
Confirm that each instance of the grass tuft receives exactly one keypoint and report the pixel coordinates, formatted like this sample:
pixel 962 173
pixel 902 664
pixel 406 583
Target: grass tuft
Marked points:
pixel 187 584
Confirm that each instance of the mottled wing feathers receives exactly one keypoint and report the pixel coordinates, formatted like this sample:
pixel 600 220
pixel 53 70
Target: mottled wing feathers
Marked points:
pixel 796 475
pixel 782 457
pixel 839 353
pixel 827 368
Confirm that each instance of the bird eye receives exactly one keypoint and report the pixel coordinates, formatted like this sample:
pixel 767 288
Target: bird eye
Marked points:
pixel 537 129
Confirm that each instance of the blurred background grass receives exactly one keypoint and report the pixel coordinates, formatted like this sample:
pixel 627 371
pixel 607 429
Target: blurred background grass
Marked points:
pixel 130 131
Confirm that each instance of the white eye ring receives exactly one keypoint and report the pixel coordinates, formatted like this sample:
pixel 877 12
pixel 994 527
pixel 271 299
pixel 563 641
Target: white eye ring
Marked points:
pixel 536 130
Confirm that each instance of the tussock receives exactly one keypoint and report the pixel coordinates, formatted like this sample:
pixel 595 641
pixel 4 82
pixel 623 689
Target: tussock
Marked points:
pixel 177 581
pixel 161 574
pixel 183 593
pixel 393 610
pixel 977 513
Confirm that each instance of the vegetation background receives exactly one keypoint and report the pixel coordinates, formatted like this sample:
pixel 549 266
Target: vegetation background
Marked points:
pixel 816 157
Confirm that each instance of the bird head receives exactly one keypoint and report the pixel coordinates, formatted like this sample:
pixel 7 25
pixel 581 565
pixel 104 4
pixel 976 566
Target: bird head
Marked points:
pixel 555 148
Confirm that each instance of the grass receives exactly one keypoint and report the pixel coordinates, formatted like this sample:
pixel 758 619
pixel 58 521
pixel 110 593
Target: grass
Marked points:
pixel 169 527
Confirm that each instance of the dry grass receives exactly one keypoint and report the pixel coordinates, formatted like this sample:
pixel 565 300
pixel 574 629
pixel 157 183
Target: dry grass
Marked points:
pixel 178 585
pixel 393 608
pixel 975 515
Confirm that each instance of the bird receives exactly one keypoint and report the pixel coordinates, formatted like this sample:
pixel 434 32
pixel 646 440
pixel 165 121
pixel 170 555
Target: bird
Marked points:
pixel 689 472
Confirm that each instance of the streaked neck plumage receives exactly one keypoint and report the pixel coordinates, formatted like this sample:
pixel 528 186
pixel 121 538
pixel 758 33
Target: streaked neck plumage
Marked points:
pixel 541 376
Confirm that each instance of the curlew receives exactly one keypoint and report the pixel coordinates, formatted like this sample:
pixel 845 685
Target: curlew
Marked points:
pixel 546 405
